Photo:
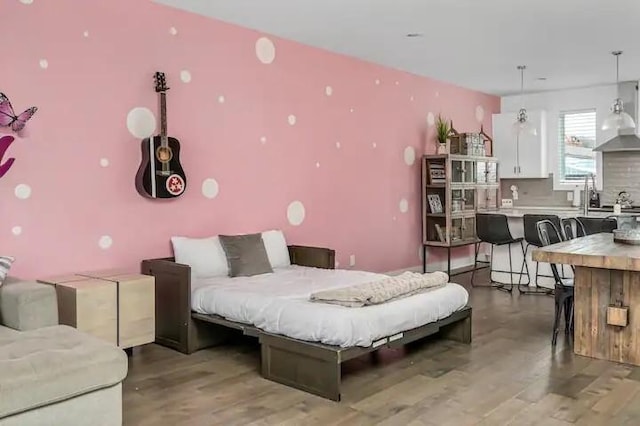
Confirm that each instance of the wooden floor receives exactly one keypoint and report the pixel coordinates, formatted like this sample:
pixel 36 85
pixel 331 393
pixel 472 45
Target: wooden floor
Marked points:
pixel 510 375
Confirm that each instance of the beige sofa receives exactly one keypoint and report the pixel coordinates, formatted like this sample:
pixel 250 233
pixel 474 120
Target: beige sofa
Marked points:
pixel 52 374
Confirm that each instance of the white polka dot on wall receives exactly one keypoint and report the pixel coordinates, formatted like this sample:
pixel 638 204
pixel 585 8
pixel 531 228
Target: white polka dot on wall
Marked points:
pixel 210 188
pixel 437 94
pixel 352 260
pixel 265 50
pixel 44 64
pixel 26 1
pixel 16 230
pixel 337 264
pixel 104 162
pixel 409 155
pixel 292 120
pixel 351 109
pixel 397 83
pixel 403 205
pixel 479 113
pixel 173 31
pixel 85 34
pixel 185 76
pixel 105 242
pixel 221 99
pixel 338 145
pixel 141 122
pixel 318 164
pixel 22 191
pixel 296 213
pixel 328 90
pixel 411 98
pixel 374 145
pixel 394 218
pixel 263 140
pixel 377 82
pixel 431 120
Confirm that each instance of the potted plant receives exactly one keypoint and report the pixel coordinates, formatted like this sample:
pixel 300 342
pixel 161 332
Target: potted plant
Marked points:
pixel 443 130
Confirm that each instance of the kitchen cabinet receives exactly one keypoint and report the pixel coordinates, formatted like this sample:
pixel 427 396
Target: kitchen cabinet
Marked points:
pixel 521 156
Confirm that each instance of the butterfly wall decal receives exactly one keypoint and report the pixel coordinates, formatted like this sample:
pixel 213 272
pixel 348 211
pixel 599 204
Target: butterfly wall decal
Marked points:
pixel 5 142
pixel 8 117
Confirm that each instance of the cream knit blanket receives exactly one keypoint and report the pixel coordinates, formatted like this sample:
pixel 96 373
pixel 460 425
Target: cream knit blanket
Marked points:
pixel 385 290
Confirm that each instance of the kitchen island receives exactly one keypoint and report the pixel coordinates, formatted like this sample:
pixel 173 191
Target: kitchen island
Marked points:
pixel 607 295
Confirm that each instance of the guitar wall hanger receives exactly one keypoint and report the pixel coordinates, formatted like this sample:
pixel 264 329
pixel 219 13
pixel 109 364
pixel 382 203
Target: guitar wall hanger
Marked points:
pixel 160 174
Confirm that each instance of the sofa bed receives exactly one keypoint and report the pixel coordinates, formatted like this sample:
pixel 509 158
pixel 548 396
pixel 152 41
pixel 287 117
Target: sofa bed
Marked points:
pixel 303 342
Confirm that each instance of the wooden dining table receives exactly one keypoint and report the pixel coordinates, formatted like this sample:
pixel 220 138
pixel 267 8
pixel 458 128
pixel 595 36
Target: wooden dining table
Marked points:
pixel 607 295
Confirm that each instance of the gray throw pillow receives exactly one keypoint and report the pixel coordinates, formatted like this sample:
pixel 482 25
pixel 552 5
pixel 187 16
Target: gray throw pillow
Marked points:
pixel 246 255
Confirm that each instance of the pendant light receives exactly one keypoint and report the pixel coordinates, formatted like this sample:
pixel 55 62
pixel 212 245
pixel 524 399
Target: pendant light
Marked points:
pixel 522 124
pixel 618 119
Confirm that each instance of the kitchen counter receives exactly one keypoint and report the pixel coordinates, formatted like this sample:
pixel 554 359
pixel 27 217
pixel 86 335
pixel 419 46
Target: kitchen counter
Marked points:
pixel 607 295
pixel 562 212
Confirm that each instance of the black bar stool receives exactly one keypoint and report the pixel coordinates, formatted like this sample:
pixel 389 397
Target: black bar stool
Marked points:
pixel 493 229
pixel 532 239
pixel 564 294
pixel 572 228
pixel 595 225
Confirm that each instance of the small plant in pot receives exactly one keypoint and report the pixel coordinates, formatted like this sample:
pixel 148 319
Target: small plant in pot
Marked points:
pixel 443 130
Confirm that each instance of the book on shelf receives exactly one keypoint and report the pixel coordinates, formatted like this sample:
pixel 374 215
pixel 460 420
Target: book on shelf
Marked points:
pixel 437 173
pixel 441 233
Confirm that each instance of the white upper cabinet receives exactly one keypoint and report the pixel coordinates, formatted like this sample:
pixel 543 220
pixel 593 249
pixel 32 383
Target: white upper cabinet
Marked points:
pixel 520 156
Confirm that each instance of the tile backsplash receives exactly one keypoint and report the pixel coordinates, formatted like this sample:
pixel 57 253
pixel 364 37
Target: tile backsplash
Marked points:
pixel 534 192
pixel 621 172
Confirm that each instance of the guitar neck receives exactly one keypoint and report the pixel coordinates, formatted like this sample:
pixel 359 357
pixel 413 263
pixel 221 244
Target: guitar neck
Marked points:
pixel 163 116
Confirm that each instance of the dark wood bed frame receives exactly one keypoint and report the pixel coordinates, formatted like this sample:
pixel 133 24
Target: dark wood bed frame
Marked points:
pixel 312 367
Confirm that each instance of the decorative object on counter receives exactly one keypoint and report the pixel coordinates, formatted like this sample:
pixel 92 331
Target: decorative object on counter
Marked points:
pixel 624 200
pixel 443 131
pixel 522 124
pixel 454 188
pixel 8 117
pixel 618 119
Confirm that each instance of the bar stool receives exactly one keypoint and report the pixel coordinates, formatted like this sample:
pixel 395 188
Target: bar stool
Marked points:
pixel 564 294
pixel 595 225
pixel 493 229
pixel 572 228
pixel 532 239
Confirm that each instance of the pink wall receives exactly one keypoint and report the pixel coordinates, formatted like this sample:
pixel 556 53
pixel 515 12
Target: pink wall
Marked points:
pixel 100 59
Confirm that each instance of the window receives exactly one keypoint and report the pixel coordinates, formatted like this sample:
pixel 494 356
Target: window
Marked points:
pixel 576 140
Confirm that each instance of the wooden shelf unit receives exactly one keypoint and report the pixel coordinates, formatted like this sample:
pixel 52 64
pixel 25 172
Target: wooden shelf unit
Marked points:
pixel 470 185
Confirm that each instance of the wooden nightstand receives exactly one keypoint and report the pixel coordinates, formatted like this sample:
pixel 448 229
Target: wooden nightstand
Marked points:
pixel 116 307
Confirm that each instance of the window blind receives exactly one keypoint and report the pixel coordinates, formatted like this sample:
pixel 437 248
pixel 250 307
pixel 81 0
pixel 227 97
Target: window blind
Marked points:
pixel 576 140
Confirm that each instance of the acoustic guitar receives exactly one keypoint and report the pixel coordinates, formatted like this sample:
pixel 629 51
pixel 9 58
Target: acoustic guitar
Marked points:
pixel 160 174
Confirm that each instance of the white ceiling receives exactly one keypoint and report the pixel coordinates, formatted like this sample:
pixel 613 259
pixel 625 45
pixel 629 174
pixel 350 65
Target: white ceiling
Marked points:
pixel 472 43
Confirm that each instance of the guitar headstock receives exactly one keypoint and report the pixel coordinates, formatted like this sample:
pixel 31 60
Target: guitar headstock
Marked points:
pixel 161 82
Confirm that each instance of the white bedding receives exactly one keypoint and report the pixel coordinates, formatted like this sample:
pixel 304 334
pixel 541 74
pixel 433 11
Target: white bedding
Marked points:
pixel 279 303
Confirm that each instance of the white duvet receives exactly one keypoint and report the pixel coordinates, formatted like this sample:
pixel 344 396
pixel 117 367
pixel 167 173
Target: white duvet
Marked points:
pixel 279 303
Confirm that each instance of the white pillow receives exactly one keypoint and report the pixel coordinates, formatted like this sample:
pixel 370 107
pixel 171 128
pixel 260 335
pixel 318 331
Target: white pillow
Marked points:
pixel 5 265
pixel 276 247
pixel 205 256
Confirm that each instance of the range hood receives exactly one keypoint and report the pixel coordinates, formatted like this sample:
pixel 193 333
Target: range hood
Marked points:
pixel 627 139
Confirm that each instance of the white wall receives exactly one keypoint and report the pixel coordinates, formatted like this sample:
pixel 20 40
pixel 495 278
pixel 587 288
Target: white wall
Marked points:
pixel 600 98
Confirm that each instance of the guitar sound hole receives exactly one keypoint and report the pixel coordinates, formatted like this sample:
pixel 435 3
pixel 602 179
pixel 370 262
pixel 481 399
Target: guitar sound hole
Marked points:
pixel 164 154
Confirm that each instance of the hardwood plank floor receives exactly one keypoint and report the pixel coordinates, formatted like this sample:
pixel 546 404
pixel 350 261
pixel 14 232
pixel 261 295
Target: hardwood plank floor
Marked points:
pixel 509 375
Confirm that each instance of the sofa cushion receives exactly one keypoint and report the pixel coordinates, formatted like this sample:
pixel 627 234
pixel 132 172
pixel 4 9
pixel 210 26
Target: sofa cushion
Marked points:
pixel 52 364
pixel 26 305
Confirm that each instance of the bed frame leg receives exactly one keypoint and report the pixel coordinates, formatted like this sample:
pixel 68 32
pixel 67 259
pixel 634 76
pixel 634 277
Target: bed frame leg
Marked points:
pixel 459 331
pixel 293 364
